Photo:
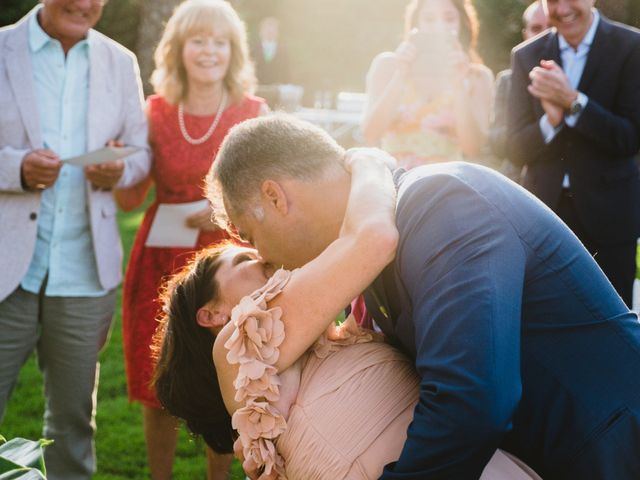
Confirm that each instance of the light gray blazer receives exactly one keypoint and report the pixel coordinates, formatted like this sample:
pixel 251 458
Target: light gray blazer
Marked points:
pixel 116 111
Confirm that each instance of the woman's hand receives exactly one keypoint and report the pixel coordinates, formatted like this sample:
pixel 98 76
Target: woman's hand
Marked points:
pixel 458 62
pixel 405 55
pixel 202 220
pixel 372 199
pixel 134 196
pixel 368 155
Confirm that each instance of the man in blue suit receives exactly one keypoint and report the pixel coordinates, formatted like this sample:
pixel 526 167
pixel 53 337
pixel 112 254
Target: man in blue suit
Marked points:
pixel 518 337
pixel 574 122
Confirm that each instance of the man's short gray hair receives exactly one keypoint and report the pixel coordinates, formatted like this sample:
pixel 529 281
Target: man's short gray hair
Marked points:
pixel 272 147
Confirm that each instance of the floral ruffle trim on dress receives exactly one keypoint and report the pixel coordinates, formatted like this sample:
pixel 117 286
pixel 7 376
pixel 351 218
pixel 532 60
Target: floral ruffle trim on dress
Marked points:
pixel 254 346
pixel 347 333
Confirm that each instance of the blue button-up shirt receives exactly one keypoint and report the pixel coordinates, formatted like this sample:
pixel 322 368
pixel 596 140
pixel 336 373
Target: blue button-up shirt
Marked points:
pixel 64 247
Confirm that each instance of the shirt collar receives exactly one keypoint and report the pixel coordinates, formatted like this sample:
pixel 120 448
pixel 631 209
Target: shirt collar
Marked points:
pixel 38 38
pixel 588 38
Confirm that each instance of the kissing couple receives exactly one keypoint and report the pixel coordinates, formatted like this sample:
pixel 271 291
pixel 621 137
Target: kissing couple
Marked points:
pixel 505 352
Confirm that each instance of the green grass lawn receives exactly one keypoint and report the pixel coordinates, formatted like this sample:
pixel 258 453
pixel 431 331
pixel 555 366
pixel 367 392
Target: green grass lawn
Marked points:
pixel 119 439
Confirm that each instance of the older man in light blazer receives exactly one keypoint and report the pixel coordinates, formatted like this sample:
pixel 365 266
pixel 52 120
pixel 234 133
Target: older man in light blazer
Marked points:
pixel 65 90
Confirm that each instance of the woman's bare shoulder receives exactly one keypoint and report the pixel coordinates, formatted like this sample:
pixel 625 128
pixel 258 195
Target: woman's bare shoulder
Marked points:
pixel 384 61
pixel 481 71
pixel 382 68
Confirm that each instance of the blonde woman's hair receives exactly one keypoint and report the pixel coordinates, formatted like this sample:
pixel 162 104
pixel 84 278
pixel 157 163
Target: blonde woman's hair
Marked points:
pixel 193 17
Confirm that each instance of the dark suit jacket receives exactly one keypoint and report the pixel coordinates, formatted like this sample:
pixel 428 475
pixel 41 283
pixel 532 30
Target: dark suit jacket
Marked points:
pixel 518 337
pixel 274 72
pixel 598 153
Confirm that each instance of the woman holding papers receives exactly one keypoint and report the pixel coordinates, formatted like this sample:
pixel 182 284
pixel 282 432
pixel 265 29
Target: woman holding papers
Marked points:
pixel 203 82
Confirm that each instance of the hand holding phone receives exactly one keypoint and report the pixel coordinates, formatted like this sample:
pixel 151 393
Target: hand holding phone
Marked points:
pixel 405 55
pixel 433 50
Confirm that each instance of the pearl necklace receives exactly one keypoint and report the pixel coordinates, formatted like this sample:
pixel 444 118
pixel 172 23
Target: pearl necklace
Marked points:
pixel 207 135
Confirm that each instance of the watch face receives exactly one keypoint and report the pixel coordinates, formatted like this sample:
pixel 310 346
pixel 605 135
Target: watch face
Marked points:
pixel 576 107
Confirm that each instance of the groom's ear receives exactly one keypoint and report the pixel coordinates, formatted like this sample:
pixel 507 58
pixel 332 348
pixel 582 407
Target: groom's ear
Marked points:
pixel 275 196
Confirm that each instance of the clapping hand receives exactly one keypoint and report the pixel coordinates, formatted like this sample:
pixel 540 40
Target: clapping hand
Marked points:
pixel 369 154
pixel 551 86
pixel 40 168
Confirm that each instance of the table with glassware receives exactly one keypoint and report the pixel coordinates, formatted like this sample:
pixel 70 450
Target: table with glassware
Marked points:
pixel 339 124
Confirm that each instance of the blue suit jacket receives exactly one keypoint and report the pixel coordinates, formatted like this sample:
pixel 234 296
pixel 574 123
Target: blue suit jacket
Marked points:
pixel 519 339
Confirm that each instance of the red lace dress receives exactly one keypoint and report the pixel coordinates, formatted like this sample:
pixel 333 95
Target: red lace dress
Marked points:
pixel 178 171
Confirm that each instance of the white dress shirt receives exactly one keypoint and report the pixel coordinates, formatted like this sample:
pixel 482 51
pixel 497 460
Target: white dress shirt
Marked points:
pixel 573 63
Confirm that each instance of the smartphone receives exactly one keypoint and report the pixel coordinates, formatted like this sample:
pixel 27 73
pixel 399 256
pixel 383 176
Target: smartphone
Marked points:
pixel 433 50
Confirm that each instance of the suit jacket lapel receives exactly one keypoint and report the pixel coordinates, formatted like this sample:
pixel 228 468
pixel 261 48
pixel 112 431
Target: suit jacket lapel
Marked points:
pixel 553 48
pixel 596 56
pixel 20 72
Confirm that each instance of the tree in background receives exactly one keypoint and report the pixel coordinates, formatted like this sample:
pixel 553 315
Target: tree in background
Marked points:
pixel 12 10
pixel 500 30
pixel 153 15
pixel 331 42
pixel 119 19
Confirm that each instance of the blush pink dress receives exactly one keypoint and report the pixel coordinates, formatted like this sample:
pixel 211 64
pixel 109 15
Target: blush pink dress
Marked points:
pixel 355 399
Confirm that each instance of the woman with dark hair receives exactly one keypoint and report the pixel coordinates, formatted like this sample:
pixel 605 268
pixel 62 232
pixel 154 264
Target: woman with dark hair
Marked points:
pixel 430 100
pixel 309 400
pixel 181 345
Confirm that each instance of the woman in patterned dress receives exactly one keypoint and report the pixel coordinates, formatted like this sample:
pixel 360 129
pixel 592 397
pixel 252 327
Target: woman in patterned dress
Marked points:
pixel 203 82
pixel 430 100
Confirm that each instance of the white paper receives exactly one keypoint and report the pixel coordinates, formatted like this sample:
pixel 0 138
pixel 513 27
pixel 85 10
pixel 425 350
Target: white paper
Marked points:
pixel 106 154
pixel 169 229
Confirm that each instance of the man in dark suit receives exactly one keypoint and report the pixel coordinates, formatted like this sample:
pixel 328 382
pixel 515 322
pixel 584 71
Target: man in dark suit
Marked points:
pixel 519 339
pixel 270 54
pixel 574 121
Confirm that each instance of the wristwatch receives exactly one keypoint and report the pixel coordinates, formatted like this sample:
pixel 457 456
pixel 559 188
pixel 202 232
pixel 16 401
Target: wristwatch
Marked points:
pixel 576 107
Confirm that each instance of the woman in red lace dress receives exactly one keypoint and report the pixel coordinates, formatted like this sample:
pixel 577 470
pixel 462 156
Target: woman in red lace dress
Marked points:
pixel 203 81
